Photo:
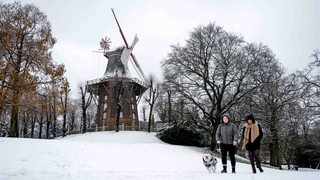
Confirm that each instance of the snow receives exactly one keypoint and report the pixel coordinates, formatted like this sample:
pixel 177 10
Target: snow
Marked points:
pixel 121 156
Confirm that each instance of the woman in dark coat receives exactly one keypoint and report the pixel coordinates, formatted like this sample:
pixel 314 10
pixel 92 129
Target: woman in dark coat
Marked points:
pixel 251 136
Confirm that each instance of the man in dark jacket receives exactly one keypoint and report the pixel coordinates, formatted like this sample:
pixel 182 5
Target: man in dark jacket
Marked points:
pixel 251 136
pixel 227 138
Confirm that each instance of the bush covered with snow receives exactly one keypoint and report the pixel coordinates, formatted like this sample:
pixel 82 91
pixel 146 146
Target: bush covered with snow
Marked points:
pixel 308 155
pixel 182 135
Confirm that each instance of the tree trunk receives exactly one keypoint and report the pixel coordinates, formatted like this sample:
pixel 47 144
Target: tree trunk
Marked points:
pixel 14 130
pixel 54 123
pixel 25 125
pixel 144 113
pixel 273 160
pixel 48 126
pixel 213 135
pixel 118 117
pixel 84 116
pixel 213 141
pixel 275 157
pixel 54 126
pixel 40 126
pixel 169 107
pixel 64 118
pixel 84 104
pixel 150 117
pixel 64 126
pixel 72 123
pixel 64 105
pixel 279 157
pixel 119 94
pixel 32 126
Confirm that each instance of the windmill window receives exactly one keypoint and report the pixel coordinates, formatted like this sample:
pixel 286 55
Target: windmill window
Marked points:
pixel 133 116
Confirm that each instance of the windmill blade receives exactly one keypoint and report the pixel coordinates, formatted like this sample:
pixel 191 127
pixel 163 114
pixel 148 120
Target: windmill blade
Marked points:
pixel 139 71
pixel 125 56
pixel 127 52
pixel 134 42
pixel 136 69
pixel 122 35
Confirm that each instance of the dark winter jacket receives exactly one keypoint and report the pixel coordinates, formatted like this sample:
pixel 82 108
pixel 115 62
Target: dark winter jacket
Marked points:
pixel 227 133
pixel 256 143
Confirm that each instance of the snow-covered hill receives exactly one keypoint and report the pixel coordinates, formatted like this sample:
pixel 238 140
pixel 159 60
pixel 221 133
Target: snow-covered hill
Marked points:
pixel 120 156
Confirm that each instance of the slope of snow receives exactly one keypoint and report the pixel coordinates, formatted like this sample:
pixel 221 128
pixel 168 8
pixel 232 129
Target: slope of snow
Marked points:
pixel 121 156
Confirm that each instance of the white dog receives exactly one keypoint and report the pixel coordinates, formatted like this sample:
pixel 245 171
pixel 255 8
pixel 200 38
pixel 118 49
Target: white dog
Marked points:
pixel 209 162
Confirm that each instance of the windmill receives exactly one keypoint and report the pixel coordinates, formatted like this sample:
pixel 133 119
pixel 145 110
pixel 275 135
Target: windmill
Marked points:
pixel 117 92
pixel 116 67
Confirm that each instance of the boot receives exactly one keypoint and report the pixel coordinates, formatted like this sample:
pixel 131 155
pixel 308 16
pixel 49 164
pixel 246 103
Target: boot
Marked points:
pixel 224 169
pixel 257 152
pixel 252 165
pixel 254 171
pixel 233 169
pixel 253 168
pixel 260 169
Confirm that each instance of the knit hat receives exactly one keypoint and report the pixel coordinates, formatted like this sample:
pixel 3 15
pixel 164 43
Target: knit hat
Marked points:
pixel 250 116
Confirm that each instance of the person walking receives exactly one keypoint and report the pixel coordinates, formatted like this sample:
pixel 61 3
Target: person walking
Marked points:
pixel 251 136
pixel 227 138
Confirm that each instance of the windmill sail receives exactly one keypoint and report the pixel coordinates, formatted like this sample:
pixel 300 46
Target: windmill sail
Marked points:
pixel 139 70
pixel 134 42
pixel 127 51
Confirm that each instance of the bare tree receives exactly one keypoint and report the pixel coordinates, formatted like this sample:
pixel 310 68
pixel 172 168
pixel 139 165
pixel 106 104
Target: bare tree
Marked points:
pixel 119 100
pixel 212 71
pixel 310 116
pixel 152 96
pixel 72 113
pixel 85 103
pixel 277 93
pixel 164 103
pixel 64 92
pixel 144 108
pixel 311 77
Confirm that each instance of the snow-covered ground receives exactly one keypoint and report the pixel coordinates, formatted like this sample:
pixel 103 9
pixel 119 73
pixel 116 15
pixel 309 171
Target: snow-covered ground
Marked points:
pixel 119 156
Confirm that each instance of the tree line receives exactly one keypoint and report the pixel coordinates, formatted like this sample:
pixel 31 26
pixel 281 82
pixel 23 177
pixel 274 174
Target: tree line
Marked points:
pixel 213 73
pixel 34 92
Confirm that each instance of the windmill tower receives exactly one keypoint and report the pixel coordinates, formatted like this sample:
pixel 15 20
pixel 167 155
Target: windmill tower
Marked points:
pixel 116 92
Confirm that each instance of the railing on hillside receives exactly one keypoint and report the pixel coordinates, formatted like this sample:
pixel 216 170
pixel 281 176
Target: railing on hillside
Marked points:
pixel 143 126
pixel 112 128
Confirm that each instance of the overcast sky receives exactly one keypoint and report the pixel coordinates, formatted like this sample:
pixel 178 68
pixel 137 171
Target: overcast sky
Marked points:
pixel 290 28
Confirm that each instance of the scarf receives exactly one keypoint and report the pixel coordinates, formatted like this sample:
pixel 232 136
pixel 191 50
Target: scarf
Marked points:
pixel 254 133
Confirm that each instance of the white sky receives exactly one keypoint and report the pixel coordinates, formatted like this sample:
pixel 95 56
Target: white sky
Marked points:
pixel 290 28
